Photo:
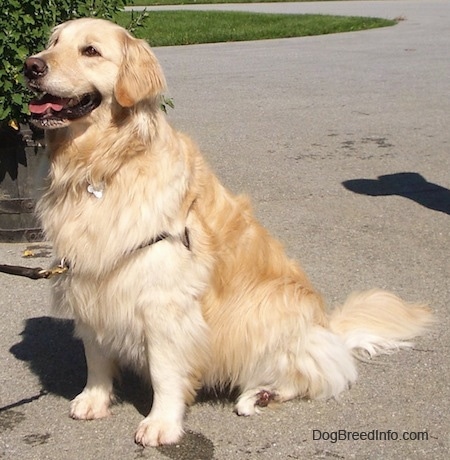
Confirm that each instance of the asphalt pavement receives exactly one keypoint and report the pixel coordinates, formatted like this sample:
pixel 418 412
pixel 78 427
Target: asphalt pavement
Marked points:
pixel 343 142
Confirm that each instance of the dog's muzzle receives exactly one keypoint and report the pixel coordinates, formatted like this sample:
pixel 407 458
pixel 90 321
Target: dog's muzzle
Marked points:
pixel 51 111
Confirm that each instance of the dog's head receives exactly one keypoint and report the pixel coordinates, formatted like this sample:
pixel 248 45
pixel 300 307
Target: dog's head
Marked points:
pixel 90 63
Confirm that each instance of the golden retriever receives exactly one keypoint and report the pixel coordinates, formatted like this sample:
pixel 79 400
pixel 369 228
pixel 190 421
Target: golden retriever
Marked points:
pixel 168 271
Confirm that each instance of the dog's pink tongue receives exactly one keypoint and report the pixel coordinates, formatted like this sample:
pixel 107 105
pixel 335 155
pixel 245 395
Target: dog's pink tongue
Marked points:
pixel 47 102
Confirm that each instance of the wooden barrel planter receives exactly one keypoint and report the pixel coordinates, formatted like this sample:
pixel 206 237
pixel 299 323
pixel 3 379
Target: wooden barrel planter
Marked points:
pixel 20 156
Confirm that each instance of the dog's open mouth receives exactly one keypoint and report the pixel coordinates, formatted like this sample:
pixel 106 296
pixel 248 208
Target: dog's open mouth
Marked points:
pixel 51 111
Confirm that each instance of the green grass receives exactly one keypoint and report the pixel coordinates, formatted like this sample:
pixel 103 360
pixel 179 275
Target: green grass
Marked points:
pixel 166 28
pixel 200 2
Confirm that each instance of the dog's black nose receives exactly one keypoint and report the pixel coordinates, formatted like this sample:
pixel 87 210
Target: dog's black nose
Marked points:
pixel 34 68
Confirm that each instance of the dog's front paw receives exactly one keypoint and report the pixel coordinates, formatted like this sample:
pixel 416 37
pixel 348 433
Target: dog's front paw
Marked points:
pixel 156 432
pixel 90 405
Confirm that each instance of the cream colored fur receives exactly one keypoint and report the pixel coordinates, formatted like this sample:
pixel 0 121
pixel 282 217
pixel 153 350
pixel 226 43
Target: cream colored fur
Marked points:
pixel 227 310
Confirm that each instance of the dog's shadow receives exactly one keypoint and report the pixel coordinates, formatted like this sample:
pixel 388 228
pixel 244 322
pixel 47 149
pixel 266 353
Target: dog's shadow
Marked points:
pixel 52 352
pixel 56 357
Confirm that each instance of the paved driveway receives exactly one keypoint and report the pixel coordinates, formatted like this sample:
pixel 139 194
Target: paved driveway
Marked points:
pixel 343 142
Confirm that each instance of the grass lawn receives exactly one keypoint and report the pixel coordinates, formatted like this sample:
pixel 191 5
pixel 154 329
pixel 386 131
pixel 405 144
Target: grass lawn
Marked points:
pixel 199 2
pixel 166 28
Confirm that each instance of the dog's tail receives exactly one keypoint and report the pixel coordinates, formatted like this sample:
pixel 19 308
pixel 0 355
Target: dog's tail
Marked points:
pixel 376 321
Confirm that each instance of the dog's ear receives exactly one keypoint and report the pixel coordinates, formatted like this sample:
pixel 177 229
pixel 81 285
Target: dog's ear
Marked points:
pixel 140 75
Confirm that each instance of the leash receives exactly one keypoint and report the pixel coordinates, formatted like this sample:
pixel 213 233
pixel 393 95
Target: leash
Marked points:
pixel 39 273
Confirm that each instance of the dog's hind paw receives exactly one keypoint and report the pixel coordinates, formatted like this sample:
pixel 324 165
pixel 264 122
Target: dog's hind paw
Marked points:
pixel 90 405
pixel 250 401
pixel 154 432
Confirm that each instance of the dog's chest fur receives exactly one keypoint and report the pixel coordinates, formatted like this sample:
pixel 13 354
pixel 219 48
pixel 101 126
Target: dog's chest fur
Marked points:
pixel 116 282
pixel 95 223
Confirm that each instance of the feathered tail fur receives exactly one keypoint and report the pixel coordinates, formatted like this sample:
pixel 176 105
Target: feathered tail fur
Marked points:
pixel 377 321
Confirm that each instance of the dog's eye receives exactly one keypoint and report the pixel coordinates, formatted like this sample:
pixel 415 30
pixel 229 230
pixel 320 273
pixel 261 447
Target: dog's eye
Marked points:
pixel 90 51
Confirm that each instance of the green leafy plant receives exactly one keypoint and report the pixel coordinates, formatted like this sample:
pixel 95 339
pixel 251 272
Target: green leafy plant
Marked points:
pixel 24 29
